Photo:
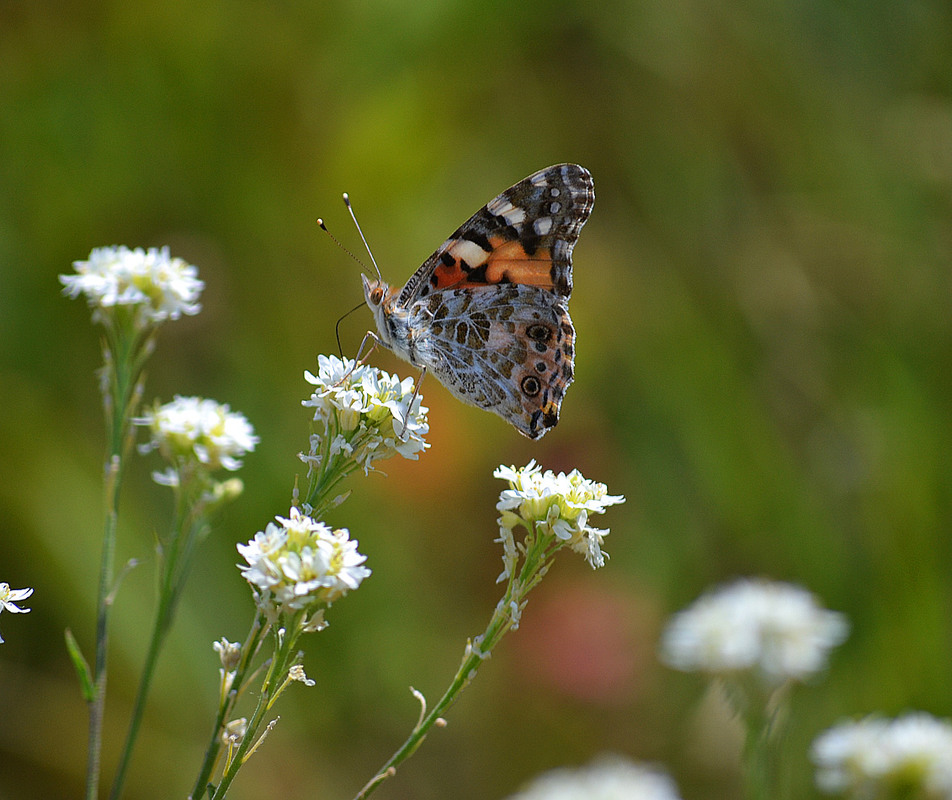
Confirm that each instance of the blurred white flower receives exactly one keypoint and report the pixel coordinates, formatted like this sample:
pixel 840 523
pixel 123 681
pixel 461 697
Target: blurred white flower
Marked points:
pixel 559 504
pixel 193 429
pixel 365 414
pixel 9 599
pixel 299 563
pixel 775 630
pixel 156 285
pixel 612 778
pixel 908 757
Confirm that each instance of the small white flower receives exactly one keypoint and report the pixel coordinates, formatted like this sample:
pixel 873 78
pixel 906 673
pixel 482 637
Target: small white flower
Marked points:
pixel 229 653
pixel 9 599
pixel 193 429
pixel 300 563
pixel 910 756
pixel 157 286
pixel 234 732
pixel 610 778
pixel 365 412
pixel 296 673
pixel 559 503
pixel 316 623
pixel 775 630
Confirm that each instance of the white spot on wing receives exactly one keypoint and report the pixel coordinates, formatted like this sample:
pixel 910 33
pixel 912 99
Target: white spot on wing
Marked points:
pixel 468 251
pixel 542 225
pixel 515 217
pixel 499 206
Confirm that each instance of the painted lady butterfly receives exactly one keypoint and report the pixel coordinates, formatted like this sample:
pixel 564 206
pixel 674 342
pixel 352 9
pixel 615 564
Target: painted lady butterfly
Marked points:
pixel 487 313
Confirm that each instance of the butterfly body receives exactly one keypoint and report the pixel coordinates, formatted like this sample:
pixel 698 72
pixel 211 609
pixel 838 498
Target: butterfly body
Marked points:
pixel 487 314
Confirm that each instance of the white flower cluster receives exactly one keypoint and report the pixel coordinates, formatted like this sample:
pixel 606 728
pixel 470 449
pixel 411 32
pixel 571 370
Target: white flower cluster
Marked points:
pixel 560 504
pixel 194 429
pixel 9 599
pixel 607 779
pixel 301 564
pixel 775 630
pixel 910 756
pixel 365 414
pixel 158 286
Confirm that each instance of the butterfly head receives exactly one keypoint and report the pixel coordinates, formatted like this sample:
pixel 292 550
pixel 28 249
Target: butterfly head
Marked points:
pixel 375 291
pixel 380 299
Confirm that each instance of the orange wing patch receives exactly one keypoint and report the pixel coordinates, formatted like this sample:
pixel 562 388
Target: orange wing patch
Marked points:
pixel 467 264
pixel 446 275
pixel 510 262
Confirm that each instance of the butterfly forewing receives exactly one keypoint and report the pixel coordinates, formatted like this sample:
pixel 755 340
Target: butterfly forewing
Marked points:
pixel 524 236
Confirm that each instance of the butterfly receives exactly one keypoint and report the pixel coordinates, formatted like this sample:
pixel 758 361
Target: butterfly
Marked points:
pixel 487 314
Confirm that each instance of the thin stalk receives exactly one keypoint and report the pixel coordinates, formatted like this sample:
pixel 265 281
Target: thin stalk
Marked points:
pixel 159 630
pixel 122 366
pixel 757 758
pixel 320 483
pixel 461 680
pixel 764 719
pixel 248 651
pixel 476 653
pixel 766 726
pixel 174 572
pixel 269 693
pixel 106 566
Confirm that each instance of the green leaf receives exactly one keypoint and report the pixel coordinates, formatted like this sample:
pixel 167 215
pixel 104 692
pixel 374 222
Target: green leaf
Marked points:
pixel 86 684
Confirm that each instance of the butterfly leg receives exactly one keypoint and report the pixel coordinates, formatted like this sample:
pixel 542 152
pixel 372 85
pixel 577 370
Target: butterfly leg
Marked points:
pixel 360 360
pixel 413 397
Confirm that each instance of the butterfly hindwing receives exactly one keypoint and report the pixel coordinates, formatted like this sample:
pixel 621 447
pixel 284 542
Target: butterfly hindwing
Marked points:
pixel 507 348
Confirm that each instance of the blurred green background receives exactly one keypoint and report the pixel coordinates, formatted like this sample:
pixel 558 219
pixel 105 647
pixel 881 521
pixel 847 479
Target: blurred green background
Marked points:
pixel 763 367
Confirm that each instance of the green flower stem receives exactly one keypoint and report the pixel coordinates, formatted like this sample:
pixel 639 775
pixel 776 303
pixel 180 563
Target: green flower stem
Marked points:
pixel 124 355
pixel 274 683
pixel 323 491
pixel 190 526
pixel 763 714
pixel 248 652
pixel 757 761
pixel 538 549
pixel 332 471
pixel 107 562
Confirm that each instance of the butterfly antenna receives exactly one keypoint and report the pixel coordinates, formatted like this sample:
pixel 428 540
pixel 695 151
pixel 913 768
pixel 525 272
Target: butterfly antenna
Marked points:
pixel 337 242
pixel 340 349
pixel 363 238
